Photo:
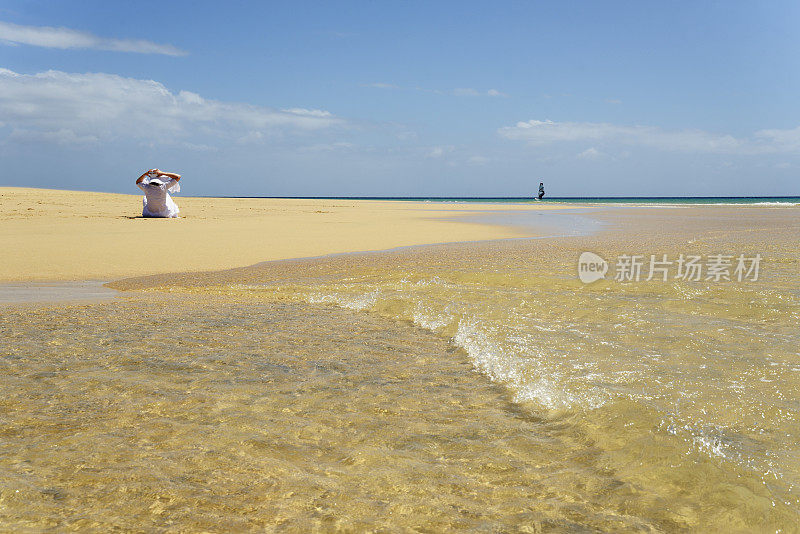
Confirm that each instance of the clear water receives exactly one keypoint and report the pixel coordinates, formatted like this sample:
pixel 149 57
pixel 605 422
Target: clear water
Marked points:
pixel 473 386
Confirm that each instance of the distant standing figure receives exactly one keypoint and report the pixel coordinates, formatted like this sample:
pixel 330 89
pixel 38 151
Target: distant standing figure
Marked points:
pixel 541 190
pixel 156 201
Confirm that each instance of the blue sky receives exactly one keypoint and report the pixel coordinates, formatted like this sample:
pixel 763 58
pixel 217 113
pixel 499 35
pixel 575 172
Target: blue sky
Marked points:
pixel 407 98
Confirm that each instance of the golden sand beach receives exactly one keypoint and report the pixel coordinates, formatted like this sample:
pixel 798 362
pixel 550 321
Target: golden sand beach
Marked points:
pixel 463 386
pixel 70 235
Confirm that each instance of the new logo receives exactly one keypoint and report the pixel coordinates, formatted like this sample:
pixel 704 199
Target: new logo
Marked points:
pixel 591 267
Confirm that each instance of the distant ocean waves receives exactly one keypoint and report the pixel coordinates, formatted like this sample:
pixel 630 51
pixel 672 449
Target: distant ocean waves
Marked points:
pixel 642 201
pixel 788 201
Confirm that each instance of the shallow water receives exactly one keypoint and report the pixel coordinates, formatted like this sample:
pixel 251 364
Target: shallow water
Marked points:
pixel 476 386
pixel 29 292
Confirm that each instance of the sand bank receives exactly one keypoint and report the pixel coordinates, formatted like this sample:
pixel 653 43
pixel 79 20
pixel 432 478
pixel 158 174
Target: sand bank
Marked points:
pixel 69 235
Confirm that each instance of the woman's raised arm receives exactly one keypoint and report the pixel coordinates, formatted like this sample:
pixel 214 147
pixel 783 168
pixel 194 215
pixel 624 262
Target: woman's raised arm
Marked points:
pixel 141 178
pixel 176 176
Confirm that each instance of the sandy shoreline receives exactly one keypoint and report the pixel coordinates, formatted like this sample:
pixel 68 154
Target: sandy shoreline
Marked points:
pixel 391 389
pixel 52 235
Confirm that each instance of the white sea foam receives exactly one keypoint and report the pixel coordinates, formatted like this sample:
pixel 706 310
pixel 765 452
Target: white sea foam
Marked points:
pixel 505 356
pixel 555 361
pixel 423 316
pixel 505 367
pixel 357 302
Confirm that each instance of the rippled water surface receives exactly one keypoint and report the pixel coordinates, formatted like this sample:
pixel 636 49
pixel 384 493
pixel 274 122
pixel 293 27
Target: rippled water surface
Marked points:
pixel 475 386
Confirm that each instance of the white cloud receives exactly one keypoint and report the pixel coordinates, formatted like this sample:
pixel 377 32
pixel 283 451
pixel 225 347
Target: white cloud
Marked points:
pixel 544 132
pixel 538 132
pixel 406 135
pixel 468 91
pixel 781 140
pixel 441 151
pixel 591 153
pixel 251 137
pixel 190 97
pixel 107 107
pixel 66 38
pixel 309 112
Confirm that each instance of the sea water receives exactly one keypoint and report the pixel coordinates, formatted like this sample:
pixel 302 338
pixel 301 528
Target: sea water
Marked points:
pixel 466 386
pixel 602 201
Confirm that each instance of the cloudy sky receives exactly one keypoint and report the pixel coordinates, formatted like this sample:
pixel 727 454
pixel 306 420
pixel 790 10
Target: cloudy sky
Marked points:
pixel 403 99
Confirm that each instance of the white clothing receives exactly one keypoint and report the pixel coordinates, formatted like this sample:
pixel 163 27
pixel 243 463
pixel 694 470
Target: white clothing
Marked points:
pixel 156 201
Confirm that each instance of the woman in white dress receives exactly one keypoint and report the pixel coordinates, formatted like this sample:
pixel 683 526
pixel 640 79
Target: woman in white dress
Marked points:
pixel 156 187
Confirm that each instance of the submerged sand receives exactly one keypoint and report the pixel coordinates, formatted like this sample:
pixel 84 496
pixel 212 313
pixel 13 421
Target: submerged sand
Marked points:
pixel 472 386
pixel 71 235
